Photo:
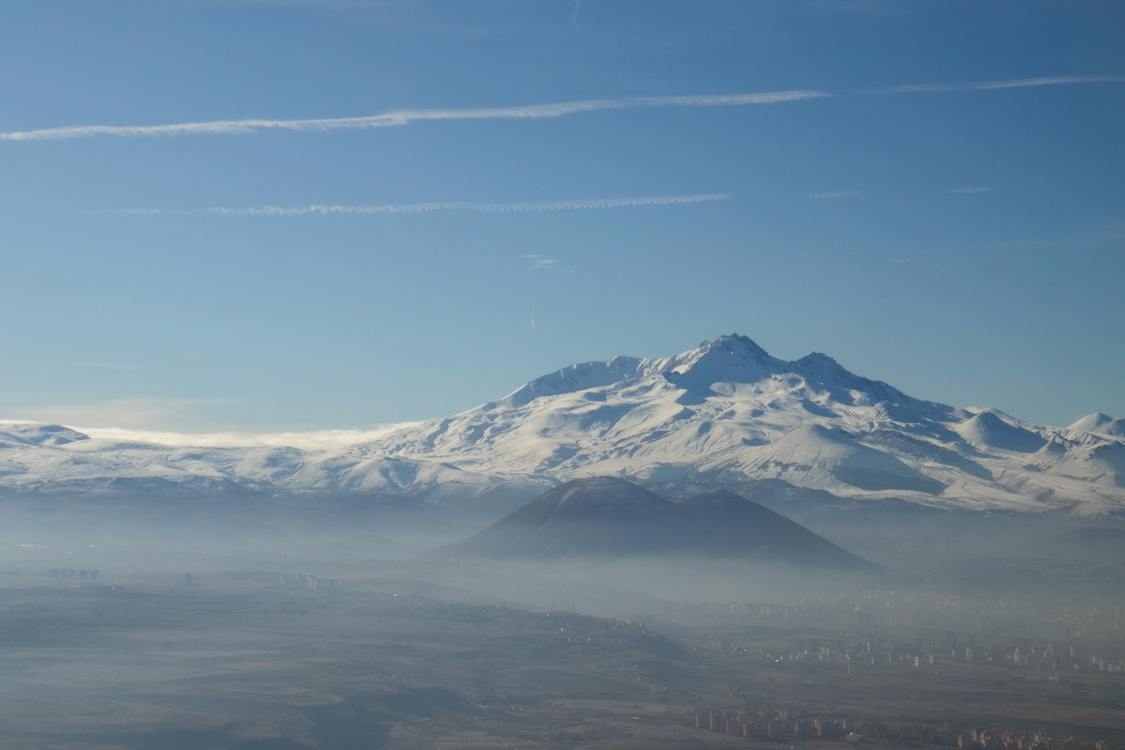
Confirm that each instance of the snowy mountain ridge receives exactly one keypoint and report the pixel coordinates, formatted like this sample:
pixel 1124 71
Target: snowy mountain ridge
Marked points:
pixel 725 411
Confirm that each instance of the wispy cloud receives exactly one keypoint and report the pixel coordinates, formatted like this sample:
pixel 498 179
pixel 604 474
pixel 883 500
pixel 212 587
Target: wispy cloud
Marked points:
pixel 407 117
pixel 137 420
pixel 539 263
pixel 1019 83
pixel 970 190
pixel 318 209
pixel 834 195
pixel 305 440
pixel 551 110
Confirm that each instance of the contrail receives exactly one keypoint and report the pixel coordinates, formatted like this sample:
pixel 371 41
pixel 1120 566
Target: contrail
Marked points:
pixel 407 117
pixel 319 209
pixel 546 111
pixel 1019 83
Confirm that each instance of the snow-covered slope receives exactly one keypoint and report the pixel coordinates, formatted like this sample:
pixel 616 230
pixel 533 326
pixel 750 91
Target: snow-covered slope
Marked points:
pixel 725 410
pixel 1101 424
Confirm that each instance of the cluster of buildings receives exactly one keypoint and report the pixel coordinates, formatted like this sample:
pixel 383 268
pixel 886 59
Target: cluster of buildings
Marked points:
pixel 1106 664
pixel 1037 657
pixel 82 574
pixel 984 739
pixel 605 634
pixel 767 722
pixel 852 652
pixel 1043 657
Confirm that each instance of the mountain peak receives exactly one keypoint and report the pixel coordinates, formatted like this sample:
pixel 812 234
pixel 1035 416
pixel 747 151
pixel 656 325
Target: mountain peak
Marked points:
pixel 32 433
pixel 735 344
pixel 988 429
pixel 823 368
pixel 600 494
pixel 818 359
pixel 728 358
pixel 1100 423
pixel 603 517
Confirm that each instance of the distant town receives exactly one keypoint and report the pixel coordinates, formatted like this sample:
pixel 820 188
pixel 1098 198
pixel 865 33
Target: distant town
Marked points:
pixel 780 723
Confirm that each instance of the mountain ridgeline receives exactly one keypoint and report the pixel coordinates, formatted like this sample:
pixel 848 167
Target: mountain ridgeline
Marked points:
pixel 605 517
pixel 722 414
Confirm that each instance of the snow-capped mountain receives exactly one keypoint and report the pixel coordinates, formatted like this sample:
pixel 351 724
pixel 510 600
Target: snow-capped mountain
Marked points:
pixel 1100 423
pixel 723 411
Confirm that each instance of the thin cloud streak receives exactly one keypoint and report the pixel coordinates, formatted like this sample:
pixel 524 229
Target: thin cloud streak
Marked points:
pixel 400 118
pixel 317 209
pixel 1020 83
pixel 407 117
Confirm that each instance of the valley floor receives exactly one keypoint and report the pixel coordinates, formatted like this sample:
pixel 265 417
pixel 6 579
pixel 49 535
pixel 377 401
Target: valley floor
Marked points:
pixel 400 658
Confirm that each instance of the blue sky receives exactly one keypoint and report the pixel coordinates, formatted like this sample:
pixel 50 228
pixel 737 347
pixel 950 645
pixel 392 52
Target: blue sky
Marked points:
pixel 962 239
